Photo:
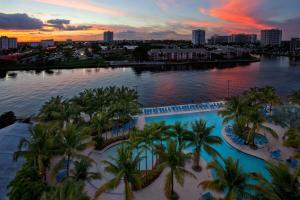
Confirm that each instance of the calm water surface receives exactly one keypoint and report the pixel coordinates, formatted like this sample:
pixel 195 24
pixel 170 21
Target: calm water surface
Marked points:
pixel 28 90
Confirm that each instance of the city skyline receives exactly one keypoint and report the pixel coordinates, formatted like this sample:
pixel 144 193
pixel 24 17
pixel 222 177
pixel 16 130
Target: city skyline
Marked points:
pixel 35 20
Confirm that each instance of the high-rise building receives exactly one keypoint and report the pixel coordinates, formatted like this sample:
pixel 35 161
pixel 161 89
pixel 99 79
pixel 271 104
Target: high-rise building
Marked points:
pixel 271 37
pixel 295 44
pixel 8 43
pixel 244 38
pixel 108 36
pixel 198 37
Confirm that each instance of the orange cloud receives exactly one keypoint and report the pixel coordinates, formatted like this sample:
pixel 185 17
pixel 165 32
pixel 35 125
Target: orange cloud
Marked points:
pixel 85 5
pixel 236 14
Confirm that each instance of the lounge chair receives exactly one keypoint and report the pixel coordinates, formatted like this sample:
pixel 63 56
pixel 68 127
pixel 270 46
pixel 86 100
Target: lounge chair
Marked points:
pixel 206 196
pixel 293 163
pixel 276 154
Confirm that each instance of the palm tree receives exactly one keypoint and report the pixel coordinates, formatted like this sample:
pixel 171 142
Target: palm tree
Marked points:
pixel 174 159
pixel 257 119
pixel 292 137
pixel 233 109
pixel 81 171
pixel 230 180
pixel 144 141
pixel 101 122
pixel 284 184
pixel 295 97
pixel 38 148
pixel 180 132
pixel 201 138
pixel 71 141
pixel 270 97
pixel 123 167
pixel 67 190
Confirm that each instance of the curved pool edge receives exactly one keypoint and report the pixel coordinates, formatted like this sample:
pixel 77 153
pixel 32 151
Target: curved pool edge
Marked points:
pixel 247 151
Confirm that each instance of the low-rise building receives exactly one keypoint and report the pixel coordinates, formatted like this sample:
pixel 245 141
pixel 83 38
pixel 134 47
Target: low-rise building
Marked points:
pixel 178 54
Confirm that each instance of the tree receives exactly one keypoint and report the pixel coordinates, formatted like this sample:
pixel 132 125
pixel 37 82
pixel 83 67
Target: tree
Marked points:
pixel 230 180
pixel 233 109
pixel 71 141
pixel 27 184
pixel 81 171
pixel 180 132
pixel 39 148
pixel 292 138
pixel 295 97
pixel 174 159
pixel 284 184
pixel 123 167
pixel 67 190
pixel 269 96
pixel 201 138
pixel 257 120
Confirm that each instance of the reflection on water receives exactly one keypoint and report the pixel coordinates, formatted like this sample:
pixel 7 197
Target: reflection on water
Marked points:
pixel 27 91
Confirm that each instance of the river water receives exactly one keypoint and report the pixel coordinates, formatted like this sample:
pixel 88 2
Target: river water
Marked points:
pixel 25 91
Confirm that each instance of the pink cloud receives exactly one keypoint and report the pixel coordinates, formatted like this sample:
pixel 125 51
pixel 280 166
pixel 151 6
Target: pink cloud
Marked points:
pixel 233 16
pixel 85 5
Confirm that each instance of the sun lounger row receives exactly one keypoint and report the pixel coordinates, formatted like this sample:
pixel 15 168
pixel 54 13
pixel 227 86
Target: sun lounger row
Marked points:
pixel 184 108
pixel 236 139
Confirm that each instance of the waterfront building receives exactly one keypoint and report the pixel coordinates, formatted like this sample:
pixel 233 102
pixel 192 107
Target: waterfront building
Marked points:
pixel 235 38
pixel 219 39
pixel 271 37
pixel 295 44
pixel 177 54
pixel 47 43
pixel 198 37
pixel 108 36
pixel 243 38
pixel 8 43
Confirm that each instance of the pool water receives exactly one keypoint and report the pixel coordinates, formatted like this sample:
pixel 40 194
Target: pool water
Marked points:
pixel 248 162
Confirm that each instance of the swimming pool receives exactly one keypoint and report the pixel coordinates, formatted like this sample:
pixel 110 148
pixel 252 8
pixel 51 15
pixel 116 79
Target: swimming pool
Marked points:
pixel 248 162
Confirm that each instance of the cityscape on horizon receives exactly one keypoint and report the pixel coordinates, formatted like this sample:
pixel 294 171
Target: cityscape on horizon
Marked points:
pixel 37 20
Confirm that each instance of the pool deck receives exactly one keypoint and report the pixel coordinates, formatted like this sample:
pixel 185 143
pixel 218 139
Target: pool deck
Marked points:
pixel 264 152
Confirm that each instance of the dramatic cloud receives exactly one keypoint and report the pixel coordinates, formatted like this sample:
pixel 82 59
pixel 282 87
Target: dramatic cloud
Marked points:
pixel 85 5
pixel 290 27
pixel 64 25
pixel 19 22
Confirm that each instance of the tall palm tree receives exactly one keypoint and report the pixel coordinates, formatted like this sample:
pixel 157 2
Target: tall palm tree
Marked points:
pixel 230 180
pixel 284 184
pixel 257 119
pixel 233 109
pixel 70 142
pixel 144 139
pixel 201 138
pixel 174 159
pixel 38 148
pixel 68 190
pixel 101 122
pixel 295 97
pixel 125 168
pixel 180 132
pixel 81 171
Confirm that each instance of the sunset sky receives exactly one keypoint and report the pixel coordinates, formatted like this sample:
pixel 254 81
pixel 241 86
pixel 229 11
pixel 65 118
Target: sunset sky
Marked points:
pixel 32 20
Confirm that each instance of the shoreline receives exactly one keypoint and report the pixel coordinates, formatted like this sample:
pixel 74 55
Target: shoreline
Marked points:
pixel 134 64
